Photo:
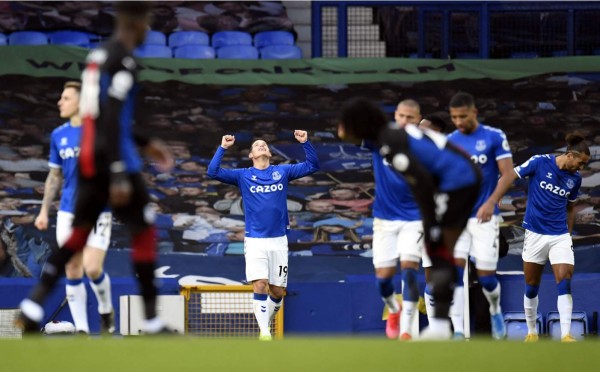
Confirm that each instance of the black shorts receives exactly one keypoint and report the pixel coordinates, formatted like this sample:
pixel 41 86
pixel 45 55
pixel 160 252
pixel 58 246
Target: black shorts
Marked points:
pixel 459 207
pixel 92 198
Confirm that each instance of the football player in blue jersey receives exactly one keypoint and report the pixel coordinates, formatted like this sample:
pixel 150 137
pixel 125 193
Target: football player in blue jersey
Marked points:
pixel 64 152
pixel 554 183
pixel 489 149
pixel 264 192
pixel 397 234
pixel 443 180
pixel 110 165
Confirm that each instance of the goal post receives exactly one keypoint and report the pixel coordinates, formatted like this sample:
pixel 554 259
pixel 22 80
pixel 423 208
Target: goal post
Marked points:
pixel 224 311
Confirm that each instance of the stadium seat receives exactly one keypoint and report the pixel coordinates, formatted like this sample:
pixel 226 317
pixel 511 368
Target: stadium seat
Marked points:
pixel 228 38
pixel 281 52
pixel 177 39
pixel 416 55
pixel 524 55
pixel 237 52
pixel 194 52
pixel 27 38
pixel 74 38
pixel 265 38
pixel 153 51
pixel 516 325
pixel 3 40
pixel 155 38
pixel 579 326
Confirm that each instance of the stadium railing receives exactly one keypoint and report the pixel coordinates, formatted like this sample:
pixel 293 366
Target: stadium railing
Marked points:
pixel 224 311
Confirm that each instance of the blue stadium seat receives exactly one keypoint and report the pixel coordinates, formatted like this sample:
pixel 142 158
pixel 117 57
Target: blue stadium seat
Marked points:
pixel 155 38
pixel 177 39
pixel 265 38
pixel 27 38
pixel 153 51
pixel 524 55
pixel 416 55
pixel 228 38
pixel 281 52
pixel 3 40
pixel 237 52
pixel 516 325
pixel 560 53
pixel 74 38
pixel 596 52
pixel 579 325
pixel 194 52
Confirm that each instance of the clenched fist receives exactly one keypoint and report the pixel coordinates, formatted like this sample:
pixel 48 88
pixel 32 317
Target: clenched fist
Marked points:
pixel 227 141
pixel 301 135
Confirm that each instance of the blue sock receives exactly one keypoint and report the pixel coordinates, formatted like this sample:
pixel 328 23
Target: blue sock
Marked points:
pixel 260 297
pixel 386 287
pixel 460 272
pixel 531 291
pixel 276 300
pixel 411 290
pixel 489 282
pixel 74 281
pixel 99 279
pixel 564 287
pixel 428 289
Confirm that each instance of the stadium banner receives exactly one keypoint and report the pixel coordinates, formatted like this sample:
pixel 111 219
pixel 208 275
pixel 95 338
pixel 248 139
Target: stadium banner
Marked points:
pixel 68 62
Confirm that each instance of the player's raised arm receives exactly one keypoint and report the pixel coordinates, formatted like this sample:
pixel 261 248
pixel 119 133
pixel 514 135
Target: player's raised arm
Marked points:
pixel 214 168
pixel 311 164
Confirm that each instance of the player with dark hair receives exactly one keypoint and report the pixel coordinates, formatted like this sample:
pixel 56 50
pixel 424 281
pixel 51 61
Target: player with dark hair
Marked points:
pixel 64 153
pixel 264 191
pixel 489 150
pixel 443 180
pixel 110 166
pixel 554 183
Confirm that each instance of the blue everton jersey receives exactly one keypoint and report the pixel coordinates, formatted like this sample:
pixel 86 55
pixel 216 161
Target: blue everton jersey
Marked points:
pixel 264 191
pixel 448 166
pixel 485 145
pixel 550 189
pixel 64 154
pixel 394 200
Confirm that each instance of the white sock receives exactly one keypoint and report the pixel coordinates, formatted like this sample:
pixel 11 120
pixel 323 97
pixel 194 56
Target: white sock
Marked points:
pixel 392 303
pixel 565 311
pixel 153 325
pixel 261 312
pixel 429 305
pixel 273 308
pixel 457 309
pixel 103 294
pixel 439 325
pixel 77 297
pixel 530 305
pixel 493 298
pixel 408 312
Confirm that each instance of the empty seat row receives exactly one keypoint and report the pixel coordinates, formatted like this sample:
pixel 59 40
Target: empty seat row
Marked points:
pixel 516 325
pixel 73 38
pixel 220 39
pixel 225 52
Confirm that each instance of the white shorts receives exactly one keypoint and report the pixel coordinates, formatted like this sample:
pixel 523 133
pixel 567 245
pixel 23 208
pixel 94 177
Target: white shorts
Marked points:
pixel 267 258
pixel 539 248
pixel 99 237
pixel 393 240
pixel 481 241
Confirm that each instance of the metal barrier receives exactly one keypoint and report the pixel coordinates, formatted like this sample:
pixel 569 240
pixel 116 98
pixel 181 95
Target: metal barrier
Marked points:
pixel 454 30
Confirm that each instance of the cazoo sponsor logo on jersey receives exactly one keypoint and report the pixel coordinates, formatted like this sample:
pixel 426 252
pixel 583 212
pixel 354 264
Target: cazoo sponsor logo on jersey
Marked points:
pixel 69 152
pixel 554 189
pixel 266 188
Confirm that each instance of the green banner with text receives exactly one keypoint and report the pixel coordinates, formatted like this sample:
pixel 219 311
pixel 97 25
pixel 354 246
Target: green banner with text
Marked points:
pixel 61 61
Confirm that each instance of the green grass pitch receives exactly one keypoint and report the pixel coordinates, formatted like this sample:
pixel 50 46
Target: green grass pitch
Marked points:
pixel 292 354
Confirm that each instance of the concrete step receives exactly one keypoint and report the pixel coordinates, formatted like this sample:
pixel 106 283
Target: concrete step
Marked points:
pixel 296 4
pixel 370 32
pixel 300 16
pixel 306 47
pixel 304 32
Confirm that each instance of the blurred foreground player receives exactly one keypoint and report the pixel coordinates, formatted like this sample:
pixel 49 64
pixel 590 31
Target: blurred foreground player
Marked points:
pixel 443 180
pixel 110 166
